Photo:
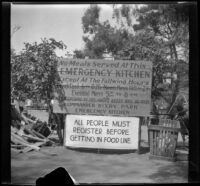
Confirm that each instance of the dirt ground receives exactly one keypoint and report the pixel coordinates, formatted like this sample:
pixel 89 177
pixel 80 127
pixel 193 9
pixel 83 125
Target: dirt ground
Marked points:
pixel 94 167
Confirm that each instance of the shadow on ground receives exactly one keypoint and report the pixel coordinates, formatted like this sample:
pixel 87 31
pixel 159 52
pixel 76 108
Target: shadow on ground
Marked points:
pixel 102 151
pixel 170 172
pixel 143 150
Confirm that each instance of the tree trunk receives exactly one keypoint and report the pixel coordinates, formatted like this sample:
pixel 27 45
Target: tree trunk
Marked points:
pixel 175 89
pixel 50 113
pixel 175 52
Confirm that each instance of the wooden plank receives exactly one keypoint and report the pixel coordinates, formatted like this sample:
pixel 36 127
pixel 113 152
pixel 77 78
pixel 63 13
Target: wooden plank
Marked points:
pixel 41 136
pixel 175 143
pixel 13 140
pixel 15 150
pixel 165 141
pixel 15 146
pixel 18 138
pixel 23 142
pixel 13 129
pixel 157 141
pixel 154 142
pixel 29 131
pixel 28 119
pixel 34 138
pixel 169 123
pixel 38 134
pixel 168 143
pixel 172 144
pixel 158 127
pixel 161 142
pixel 27 149
pixel 151 140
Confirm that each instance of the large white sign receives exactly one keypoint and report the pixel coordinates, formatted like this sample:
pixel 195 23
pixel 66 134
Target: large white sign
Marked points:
pixel 103 132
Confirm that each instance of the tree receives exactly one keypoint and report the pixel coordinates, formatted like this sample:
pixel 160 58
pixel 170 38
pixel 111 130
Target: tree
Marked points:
pixel 154 32
pixel 13 59
pixel 15 29
pixel 34 71
pixel 79 54
pixel 170 24
pixel 90 19
pixel 161 35
pixel 101 36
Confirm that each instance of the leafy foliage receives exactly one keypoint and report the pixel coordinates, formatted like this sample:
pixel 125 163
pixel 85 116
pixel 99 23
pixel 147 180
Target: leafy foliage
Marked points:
pixel 100 37
pixel 169 23
pixel 79 54
pixel 33 72
pixel 154 32
pixel 90 19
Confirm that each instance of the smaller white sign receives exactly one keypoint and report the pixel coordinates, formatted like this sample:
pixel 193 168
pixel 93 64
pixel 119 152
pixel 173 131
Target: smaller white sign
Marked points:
pixel 103 132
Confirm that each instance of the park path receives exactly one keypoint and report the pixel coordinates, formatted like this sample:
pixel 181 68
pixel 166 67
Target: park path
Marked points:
pixel 91 167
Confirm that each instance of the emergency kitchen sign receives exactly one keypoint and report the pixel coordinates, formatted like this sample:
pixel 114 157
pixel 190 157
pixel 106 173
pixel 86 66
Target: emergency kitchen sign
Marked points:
pixel 99 87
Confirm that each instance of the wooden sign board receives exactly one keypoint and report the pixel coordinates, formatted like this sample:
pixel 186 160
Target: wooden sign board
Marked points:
pixel 101 87
pixel 102 132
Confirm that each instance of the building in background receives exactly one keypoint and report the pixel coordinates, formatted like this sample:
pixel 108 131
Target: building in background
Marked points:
pixel 107 55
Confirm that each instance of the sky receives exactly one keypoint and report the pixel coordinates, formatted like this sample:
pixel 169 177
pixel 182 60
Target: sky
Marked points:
pixel 61 22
